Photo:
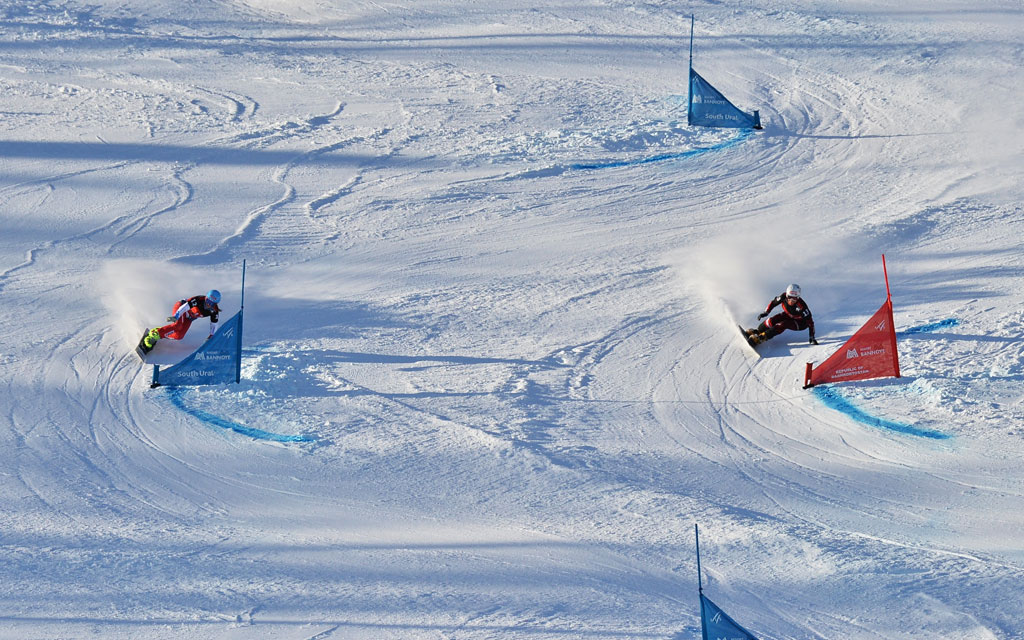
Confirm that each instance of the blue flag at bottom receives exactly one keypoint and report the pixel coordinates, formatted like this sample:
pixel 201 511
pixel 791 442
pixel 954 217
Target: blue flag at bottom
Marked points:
pixel 709 108
pixel 218 361
pixel 716 625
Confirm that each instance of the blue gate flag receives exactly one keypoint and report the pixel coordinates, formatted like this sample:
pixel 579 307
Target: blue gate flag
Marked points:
pixel 709 108
pixel 218 361
pixel 716 625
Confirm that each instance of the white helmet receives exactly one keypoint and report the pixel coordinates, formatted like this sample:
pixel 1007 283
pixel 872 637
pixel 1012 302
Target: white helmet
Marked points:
pixel 793 291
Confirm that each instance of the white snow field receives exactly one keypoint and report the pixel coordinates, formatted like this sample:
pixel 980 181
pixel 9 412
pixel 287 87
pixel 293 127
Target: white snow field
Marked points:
pixel 492 288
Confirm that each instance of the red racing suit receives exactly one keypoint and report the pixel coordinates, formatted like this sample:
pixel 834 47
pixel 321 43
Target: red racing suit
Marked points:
pixel 795 316
pixel 185 311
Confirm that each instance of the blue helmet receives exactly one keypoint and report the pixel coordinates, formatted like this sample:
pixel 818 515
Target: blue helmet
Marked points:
pixel 213 296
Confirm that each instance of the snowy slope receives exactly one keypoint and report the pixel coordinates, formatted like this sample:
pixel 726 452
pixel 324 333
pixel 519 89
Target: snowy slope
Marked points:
pixel 492 288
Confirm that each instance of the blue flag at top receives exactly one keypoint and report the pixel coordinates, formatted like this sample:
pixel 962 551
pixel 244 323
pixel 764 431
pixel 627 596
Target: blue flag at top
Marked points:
pixel 709 108
pixel 716 625
pixel 218 361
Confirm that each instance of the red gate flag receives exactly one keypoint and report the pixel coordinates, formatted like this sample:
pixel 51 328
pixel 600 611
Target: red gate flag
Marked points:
pixel 870 353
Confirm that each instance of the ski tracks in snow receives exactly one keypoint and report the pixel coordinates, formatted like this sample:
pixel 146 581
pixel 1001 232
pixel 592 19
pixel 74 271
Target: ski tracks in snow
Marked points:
pixel 292 224
pixel 134 213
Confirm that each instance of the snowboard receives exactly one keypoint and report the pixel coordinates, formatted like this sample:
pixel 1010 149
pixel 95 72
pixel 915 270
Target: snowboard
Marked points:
pixel 746 338
pixel 142 350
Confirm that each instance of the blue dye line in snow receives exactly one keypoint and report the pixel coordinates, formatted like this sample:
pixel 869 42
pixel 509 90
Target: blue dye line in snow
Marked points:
pixel 741 136
pixel 177 399
pixel 933 326
pixel 834 400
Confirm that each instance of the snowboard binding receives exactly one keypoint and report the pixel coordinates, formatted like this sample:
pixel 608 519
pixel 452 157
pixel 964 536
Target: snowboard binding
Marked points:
pixel 146 343
pixel 757 336
pixel 754 337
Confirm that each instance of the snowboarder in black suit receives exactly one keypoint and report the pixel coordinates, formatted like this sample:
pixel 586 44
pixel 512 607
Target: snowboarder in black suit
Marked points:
pixel 795 316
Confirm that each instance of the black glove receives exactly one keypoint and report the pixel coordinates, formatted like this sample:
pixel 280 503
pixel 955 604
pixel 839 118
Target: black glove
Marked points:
pixel 762 316
pixel 813 341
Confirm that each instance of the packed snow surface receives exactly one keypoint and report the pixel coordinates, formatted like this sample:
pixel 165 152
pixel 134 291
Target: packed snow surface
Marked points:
pixel 491 373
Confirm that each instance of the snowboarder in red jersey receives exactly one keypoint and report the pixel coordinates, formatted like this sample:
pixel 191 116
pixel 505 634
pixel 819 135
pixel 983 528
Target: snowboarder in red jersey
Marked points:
pixel 795 316
pixel 185 311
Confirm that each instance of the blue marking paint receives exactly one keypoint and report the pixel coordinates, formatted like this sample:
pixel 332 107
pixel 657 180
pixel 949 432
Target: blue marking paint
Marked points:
pixel 742 135
pixel 834 400
pixel 177 399
pixel 933 326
